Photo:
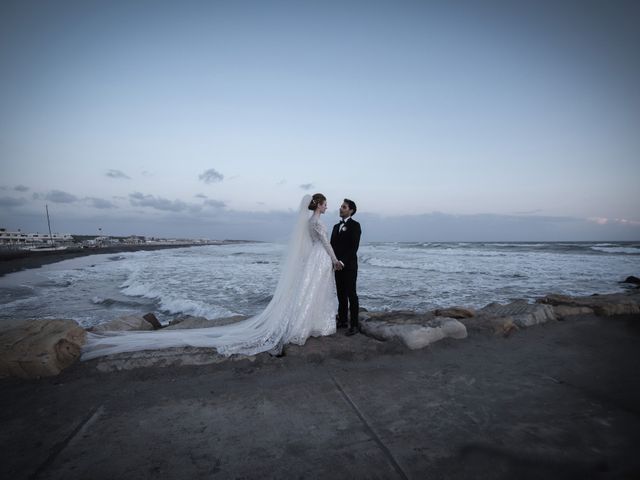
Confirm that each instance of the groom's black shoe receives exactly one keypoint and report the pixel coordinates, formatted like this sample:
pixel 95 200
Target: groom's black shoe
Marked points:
pixel 351 331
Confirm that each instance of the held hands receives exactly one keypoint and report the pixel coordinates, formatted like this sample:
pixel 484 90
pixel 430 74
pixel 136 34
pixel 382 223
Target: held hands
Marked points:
pixel 338 265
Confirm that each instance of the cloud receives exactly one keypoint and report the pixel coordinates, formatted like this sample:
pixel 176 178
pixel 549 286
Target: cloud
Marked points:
pixel 612 221
pixel 21 188
pixel 138 199
pixel 211 176
pixel 626 221
pixel 11 201
pixel 306 186
pixel 58 196
pixel 146 173
pixel 281 182
pixel 214 203
pixel 117 174
pixel 100 203
pixel 201 195
pixel 528 212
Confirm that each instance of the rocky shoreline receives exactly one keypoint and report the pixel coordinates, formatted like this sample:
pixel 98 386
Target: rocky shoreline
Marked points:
pixel 39 348
pixel 542 390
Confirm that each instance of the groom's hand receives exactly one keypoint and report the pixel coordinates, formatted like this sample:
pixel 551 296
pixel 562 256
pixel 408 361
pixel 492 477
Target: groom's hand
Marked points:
pixel 338 265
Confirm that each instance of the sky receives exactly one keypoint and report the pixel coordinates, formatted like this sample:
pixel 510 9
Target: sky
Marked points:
pixel 443 120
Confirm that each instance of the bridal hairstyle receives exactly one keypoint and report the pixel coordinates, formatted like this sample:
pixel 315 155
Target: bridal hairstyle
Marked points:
pixel 352 205
pixel 316 200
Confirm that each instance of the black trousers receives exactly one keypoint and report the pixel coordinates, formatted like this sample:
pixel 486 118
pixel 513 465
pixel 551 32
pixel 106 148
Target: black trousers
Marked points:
pixel 347 297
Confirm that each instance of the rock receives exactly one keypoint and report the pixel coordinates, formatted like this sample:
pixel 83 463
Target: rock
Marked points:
pixel 633 280
pixel 504 326
pixel 455 312
pixel 602 305
pixel 564 311
pixel 413 330
pixel 522 313
pixel 187 321
pixel 614 309
pixel 398 316
pixel 39 348
pixel 127 322
pixel 151 318
pixel 168 357
pixel 555 299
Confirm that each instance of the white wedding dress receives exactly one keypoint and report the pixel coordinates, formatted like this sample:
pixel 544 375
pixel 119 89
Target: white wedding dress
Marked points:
pixel 304 304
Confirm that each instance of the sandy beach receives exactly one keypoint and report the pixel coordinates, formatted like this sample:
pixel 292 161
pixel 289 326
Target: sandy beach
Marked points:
pixel 558 400
pixel 15 261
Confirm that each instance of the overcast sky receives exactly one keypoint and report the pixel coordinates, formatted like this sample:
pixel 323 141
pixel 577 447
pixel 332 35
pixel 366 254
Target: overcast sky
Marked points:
pixel 461 121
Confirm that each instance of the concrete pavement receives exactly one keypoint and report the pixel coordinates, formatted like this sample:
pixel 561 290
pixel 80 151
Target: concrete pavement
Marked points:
pixel 560 400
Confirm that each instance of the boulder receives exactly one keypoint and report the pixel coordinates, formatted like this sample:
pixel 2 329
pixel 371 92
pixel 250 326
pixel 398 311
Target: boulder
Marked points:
pixel 168 357
pixel 151 318
pixel 632 280
pixel 615 309
pixel 520 312
pixel 602 305
pixel 413 330
pixel 564 311
pixel 127 322
pixel 398 316
pixel 188 321
pixel 504 326
pixel 455 312
pixel 39 348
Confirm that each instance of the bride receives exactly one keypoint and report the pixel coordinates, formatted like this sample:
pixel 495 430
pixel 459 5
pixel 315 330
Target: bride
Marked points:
pixel 303 304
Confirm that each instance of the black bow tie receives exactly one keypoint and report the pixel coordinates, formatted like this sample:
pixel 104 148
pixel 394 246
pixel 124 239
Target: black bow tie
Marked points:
pixel 342 222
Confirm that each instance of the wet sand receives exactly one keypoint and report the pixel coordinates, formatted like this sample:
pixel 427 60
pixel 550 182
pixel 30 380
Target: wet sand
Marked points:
pixel 559 400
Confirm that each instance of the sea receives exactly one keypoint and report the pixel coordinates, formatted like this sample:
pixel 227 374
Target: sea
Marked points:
pixel 217 281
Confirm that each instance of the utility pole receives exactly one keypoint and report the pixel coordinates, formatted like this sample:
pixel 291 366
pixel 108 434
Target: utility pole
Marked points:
pixel 49 225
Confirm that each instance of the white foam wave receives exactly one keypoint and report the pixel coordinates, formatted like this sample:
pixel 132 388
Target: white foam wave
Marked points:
pixel 176 305
pixel 141 290
pixel 628 250
pixel 388 263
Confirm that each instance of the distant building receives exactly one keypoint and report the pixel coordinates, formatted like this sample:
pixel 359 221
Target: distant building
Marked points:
pixel 135 239
pixel 32 239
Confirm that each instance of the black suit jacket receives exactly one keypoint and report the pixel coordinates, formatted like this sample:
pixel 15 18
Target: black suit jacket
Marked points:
pixel 345 244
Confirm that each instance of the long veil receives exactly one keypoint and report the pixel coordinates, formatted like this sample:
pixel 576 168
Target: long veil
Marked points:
pixel 266 331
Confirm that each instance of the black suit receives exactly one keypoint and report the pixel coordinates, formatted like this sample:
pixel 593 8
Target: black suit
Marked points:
pixel 345 244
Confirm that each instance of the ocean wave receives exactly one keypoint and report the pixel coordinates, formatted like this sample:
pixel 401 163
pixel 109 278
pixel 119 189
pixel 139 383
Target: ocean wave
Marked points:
pixel 18 303
pixel 501 248
pixel 108 302
pixel 140 290
pixel 380 262
pixel 11 294
pixel 517 245
pixel 177 305
pixel 102 301
pixel 172 303
pixel 624 250
pixel 210 282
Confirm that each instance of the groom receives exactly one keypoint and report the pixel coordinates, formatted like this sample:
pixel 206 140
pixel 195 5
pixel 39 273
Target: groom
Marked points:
pixel 345 240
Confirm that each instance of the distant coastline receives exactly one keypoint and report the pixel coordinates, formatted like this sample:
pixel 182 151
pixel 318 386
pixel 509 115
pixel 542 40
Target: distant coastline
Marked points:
pixel 17 260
